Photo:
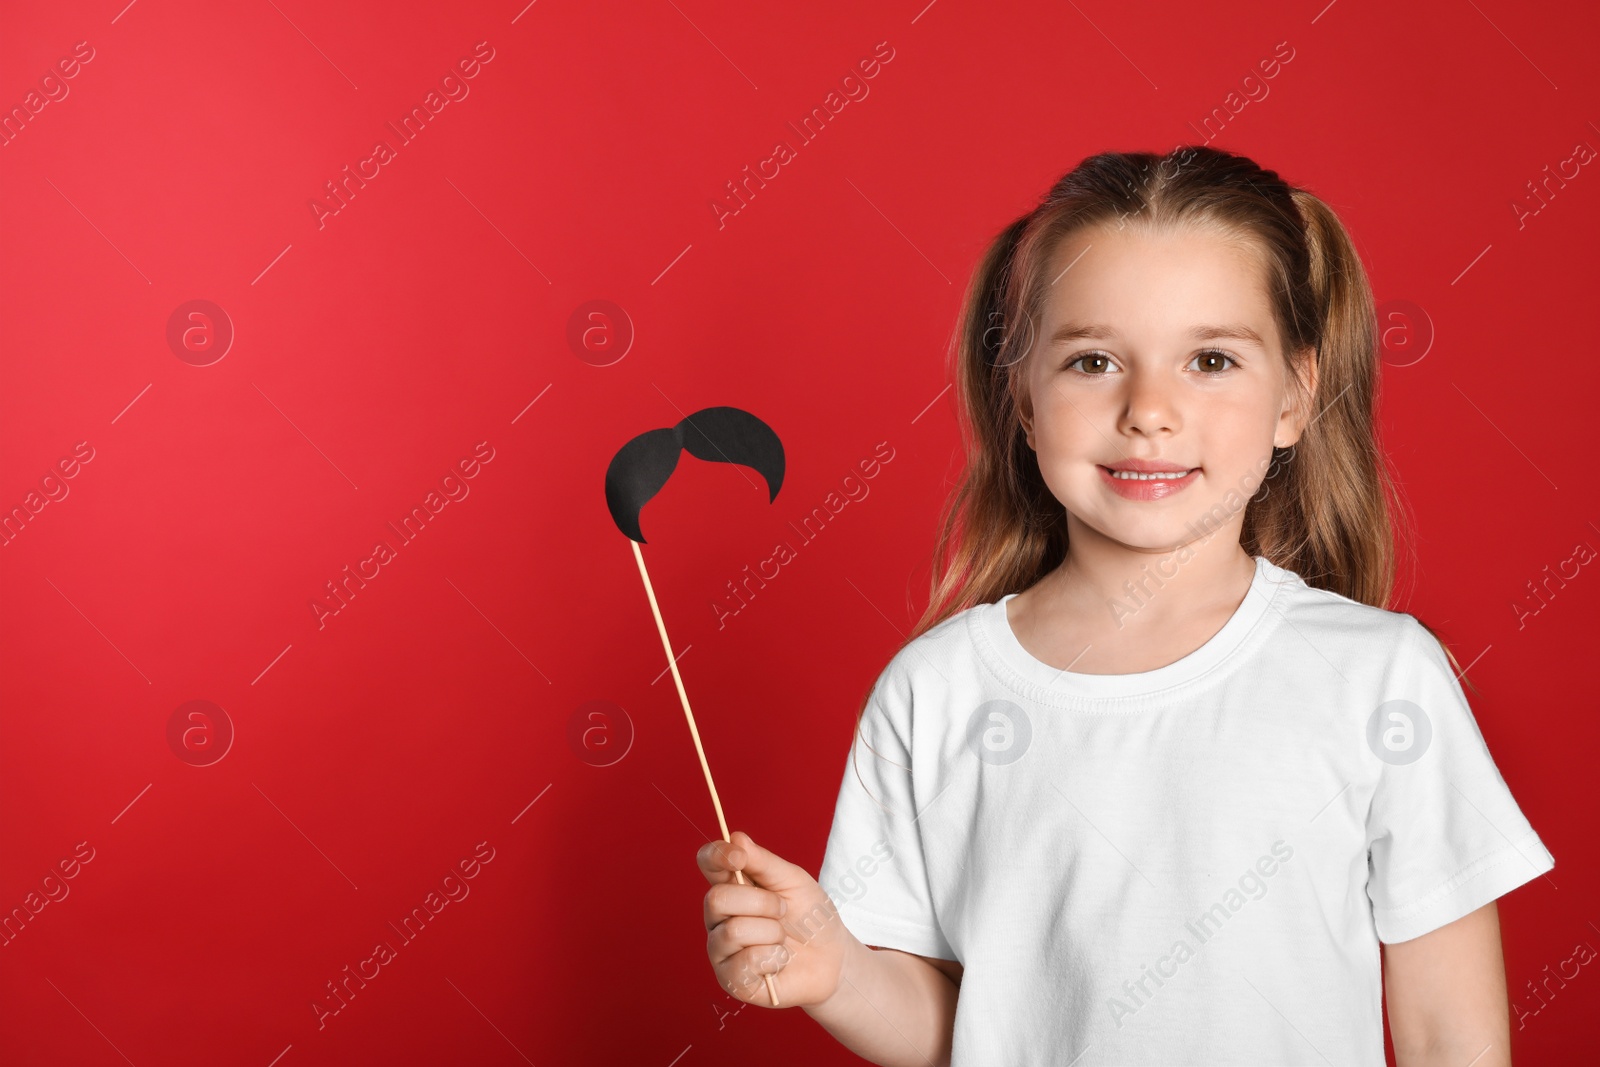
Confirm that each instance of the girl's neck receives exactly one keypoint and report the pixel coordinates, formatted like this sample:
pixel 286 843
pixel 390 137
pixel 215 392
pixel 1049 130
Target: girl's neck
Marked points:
pixel 1109 609
pixel 1163 585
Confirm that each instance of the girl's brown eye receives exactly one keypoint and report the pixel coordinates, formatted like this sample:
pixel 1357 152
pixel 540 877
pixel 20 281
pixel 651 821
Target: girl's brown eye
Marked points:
pixel 1220 361
pixel 1099 363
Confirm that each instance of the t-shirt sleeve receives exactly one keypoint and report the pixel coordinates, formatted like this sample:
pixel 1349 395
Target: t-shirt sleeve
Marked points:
pixel 874 867
pixel 1444 834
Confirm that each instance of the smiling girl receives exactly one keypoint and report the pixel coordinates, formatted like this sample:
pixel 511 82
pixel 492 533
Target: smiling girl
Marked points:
pixel 1158 778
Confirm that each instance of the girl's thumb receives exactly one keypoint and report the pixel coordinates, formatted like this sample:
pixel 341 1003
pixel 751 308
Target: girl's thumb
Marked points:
pixel 758 864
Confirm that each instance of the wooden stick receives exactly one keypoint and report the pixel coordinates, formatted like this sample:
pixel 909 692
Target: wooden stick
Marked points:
pixel 683 697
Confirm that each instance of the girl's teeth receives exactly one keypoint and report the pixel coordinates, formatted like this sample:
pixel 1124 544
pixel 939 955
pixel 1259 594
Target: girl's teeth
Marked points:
pixel 1165 476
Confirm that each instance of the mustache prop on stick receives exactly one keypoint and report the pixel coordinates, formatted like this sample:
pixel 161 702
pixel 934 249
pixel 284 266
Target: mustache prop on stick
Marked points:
pixel 638 472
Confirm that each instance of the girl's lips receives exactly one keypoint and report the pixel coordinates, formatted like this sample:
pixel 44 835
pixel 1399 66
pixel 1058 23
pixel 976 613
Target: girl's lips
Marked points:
pixel 1146 488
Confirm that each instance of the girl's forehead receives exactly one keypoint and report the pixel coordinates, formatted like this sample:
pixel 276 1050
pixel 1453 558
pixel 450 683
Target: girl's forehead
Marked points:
pixel 1133 278
pixel 1144 246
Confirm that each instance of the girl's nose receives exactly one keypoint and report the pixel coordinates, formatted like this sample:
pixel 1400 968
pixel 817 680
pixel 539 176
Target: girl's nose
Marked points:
pixel 1151 406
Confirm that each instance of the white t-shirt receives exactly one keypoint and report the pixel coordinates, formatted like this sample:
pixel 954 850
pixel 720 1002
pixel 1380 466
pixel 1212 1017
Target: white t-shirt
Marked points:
pixel 1193 864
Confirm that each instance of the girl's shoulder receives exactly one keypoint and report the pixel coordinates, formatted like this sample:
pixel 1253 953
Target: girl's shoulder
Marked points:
pixel 933 655
pixel 1324 607
pixel 1329 620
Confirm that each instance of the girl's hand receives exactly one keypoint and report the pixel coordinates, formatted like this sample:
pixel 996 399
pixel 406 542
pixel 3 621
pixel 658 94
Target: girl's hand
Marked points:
pixel 780 923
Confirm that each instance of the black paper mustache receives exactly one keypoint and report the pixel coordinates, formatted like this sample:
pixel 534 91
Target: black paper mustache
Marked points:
pixel 721 435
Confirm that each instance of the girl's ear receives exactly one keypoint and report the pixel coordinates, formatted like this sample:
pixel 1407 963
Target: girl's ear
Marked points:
pixel 1025 416
pixel 1300 410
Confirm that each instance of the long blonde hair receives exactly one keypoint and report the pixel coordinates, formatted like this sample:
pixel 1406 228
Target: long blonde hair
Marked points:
pixel 1331 511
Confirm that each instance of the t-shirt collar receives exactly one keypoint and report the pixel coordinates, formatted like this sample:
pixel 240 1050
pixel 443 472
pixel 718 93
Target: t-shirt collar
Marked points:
pixel 999 646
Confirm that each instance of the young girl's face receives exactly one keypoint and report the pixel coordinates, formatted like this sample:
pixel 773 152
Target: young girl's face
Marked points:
pixel 1158 347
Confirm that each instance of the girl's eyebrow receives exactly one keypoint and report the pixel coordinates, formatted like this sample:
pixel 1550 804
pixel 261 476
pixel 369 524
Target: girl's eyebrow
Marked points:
pixel 1238 331
pixel 1234 331
pixel 1072 331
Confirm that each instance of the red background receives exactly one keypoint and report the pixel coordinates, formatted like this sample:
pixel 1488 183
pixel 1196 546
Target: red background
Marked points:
pixel 374 752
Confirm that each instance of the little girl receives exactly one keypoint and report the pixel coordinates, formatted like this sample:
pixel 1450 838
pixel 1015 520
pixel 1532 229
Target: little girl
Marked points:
pixel 1157 772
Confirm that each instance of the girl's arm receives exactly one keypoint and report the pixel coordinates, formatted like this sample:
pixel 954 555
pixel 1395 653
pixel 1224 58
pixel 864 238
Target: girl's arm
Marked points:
pixel 1447 995
pixel 893 1008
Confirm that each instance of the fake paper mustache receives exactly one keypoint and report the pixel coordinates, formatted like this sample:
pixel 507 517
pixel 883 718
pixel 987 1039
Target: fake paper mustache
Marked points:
pixel 721 435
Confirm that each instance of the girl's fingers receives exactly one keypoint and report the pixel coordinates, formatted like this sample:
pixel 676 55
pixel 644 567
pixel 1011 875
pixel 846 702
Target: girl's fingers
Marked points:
pixel 727 899
pixel 743 975
pixel 741 932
